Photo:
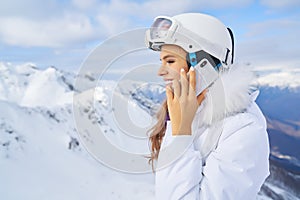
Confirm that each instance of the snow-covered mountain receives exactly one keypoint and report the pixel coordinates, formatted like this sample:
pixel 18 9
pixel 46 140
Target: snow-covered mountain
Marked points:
pixel 281 106
pixel 284 78
pixel 42 157
pixel 40 152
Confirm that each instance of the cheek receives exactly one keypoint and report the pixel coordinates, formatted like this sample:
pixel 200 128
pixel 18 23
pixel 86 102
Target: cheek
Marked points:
pixel 181 65
pixel 176 67
pixel 174 72
pixel 184 66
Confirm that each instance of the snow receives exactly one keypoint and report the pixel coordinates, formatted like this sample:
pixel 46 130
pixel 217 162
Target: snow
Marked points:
pixel 38 156
pixel 41 156
pixel 285 78
pixel 28 86
pixel 281 79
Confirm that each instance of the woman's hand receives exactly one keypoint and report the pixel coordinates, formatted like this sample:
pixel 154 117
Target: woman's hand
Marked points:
pixel 183 103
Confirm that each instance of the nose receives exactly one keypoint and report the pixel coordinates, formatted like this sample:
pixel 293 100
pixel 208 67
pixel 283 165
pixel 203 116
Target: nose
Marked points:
pixel 162 71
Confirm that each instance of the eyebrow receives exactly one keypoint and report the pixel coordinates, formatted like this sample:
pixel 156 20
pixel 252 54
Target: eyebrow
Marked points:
pixel 167 56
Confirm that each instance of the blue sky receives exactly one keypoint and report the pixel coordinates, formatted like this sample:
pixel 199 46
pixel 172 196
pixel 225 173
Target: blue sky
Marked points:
pixel 62 33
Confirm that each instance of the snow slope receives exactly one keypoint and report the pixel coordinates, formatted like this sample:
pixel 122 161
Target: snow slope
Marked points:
pixel 40 153
pixel 41 156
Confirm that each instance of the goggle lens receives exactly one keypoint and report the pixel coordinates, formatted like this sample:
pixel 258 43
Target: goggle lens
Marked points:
pixel 160 27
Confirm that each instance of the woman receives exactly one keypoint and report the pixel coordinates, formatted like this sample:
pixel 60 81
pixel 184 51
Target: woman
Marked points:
pixel 210 140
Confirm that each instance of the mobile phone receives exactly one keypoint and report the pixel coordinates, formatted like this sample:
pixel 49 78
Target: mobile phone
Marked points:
pixel 206 75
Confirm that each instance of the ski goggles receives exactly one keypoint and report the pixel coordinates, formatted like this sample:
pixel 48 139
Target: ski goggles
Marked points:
pixel 160 31
pixel 166 30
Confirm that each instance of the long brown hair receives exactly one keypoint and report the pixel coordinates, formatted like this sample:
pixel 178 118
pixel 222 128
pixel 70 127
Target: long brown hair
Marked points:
pixel 157 132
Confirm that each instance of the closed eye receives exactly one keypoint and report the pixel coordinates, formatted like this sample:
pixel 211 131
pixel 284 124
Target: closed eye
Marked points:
pixel 170 61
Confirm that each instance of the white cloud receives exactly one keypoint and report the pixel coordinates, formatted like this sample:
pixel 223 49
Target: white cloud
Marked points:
pixel 280 4
pixel 33 9
pixel 272 42
pixel 118 15
pixel 75 22
pixel 51 33
pixel 271 27
pixel 54 24
pixel 153 8
pixel 59 25
pixel 156 7
pixel 86 4
pixel 47 23
pixel 111 25
pixel 216 4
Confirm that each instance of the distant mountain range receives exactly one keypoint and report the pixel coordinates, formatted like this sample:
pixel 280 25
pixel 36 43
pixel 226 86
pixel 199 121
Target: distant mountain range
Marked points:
pixel 282 109
pixel 41 155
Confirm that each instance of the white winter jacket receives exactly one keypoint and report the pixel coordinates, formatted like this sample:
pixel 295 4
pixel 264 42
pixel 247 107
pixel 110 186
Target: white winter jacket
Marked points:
pixel 227 155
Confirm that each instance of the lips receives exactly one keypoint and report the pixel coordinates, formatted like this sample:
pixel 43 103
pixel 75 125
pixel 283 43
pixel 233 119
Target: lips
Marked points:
pixel 168 81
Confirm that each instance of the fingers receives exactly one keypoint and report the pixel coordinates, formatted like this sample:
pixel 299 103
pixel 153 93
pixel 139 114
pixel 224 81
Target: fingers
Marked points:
pixel 176 86
pixel 201 97
pixel 192 87
pixel 183 86
pixel 169 94
pixel 184 83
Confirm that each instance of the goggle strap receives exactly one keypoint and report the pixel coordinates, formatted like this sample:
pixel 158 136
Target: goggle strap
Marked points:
pixel 226 57
pixel 232 44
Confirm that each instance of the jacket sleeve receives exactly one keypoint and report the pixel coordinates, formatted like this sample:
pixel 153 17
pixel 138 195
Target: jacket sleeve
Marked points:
pixel 236 169
pixel 180 175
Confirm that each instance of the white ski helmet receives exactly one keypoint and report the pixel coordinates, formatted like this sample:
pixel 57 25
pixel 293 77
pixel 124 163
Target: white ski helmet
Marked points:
pixel 194 32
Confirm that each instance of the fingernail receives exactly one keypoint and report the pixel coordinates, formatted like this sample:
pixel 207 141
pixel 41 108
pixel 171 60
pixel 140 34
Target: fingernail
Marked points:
pixel 182 70
pixel 192 69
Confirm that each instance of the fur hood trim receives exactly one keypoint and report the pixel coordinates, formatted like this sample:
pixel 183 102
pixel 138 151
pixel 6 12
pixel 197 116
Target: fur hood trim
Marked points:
pixel 229 95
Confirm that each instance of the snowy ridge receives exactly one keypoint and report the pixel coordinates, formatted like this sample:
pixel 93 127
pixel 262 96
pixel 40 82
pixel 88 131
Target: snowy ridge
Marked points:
pixel 285 78
pixel 29 86
pixel 40 152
